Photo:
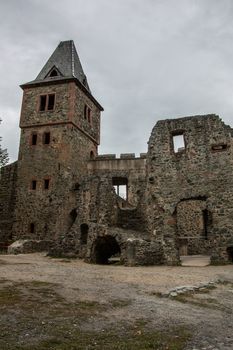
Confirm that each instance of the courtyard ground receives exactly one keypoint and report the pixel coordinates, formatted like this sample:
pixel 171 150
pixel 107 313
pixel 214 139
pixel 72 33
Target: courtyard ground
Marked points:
pixel 67 305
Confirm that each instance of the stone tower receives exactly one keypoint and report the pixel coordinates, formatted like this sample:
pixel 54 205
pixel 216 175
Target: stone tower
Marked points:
pixel 60 132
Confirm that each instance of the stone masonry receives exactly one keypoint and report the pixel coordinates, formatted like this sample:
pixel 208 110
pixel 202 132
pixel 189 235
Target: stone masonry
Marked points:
pixel 176 199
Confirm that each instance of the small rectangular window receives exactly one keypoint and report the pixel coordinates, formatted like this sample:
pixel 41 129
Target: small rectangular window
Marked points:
pixel 32 228
pixel 47 138
pixel 43 99
pixel 51 101
pixel 34 139
pixel 33 184
pixel 178 143
pixel 46 184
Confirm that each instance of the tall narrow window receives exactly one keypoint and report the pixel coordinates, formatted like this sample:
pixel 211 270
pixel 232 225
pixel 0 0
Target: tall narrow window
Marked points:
pixel 32 227
pixel 85 112
pixel 33 184
pixel 89 115
pixel 46 138
pixel 46 184
pixel 43 99
pixel 34 139
pixel 51 101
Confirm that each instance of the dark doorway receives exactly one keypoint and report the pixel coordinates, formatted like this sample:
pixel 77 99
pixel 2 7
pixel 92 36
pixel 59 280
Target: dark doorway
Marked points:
pixel 84 233
pixel 103 249
pixel 230 253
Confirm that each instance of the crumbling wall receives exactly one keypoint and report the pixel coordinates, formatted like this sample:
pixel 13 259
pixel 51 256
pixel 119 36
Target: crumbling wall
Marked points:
pixel 201 168
pixel 8 177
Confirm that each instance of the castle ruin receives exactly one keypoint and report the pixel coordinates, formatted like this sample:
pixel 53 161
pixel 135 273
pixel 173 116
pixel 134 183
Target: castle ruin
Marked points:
pixel 61 196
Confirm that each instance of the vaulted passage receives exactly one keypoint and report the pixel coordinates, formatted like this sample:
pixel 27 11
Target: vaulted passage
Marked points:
pixel 103 249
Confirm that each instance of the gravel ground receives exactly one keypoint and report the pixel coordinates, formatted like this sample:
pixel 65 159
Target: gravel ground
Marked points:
pixel 209 315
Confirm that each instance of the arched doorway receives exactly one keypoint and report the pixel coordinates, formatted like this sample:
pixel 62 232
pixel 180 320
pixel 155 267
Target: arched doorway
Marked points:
pixel 103 248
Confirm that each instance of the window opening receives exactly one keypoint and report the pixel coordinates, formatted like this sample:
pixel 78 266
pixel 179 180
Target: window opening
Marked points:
pixel 51 101
pixel 34 139
pixel 43 99
pixel 47 102
pixel 178 143
pixel 87 113
pixel 46 184
pixel 53 73
pixel 84 233
pixel 33 184
pixel 120 185
pixel 32 227
pixel 46 138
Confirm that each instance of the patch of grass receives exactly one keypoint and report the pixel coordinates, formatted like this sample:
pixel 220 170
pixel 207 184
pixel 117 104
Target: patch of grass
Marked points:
pixel 9 296
pixel 41 319
pixel 226 283
pixel 120 302
pixel 193 299
pixel 78 340
pixel 157 294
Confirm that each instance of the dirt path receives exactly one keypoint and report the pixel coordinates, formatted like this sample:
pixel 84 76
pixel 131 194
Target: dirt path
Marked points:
pixel 133 293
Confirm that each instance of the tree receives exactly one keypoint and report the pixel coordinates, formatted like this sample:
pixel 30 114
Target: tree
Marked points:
pixel 4 158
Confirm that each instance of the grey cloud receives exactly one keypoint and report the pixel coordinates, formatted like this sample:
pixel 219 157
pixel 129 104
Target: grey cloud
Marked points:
pixel 145 60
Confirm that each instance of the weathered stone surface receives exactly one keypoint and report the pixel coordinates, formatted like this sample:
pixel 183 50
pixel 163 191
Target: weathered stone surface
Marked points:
pixel 25 246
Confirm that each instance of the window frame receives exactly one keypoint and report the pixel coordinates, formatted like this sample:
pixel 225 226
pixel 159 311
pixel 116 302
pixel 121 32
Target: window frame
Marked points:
pixel 175 133
pixel 46 102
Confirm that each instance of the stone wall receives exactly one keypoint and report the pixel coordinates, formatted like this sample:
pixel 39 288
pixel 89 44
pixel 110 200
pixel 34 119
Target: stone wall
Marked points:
pixel 8 177
pixel 200 170
pixel 127 166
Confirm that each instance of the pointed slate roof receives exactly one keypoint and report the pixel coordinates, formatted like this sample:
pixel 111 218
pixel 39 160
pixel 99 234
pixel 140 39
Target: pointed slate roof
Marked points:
pixel 66 64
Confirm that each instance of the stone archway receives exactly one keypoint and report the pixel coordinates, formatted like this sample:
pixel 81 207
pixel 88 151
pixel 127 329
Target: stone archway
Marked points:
pixel 103 248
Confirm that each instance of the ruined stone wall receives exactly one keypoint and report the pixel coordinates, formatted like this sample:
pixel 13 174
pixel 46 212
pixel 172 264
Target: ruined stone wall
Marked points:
pixel 8 177
pixel 127 166
pixel 201 170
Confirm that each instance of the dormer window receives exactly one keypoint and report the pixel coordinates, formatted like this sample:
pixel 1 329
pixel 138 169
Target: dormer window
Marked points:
pixel 47 102
pixel 54 73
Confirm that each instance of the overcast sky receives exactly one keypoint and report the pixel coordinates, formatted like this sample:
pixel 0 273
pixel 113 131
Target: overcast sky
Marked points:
pixel 145 60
